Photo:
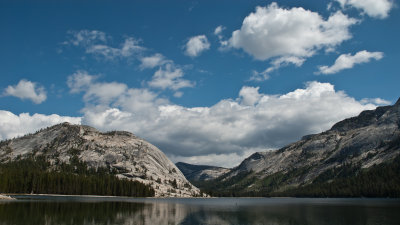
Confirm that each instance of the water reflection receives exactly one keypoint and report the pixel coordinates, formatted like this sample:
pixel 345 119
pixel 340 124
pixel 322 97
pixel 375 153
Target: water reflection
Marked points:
pixel 198 211
pixel 74 213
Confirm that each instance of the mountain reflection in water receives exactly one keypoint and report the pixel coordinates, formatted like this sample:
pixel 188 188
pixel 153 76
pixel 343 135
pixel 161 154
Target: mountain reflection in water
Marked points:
pixel 85 210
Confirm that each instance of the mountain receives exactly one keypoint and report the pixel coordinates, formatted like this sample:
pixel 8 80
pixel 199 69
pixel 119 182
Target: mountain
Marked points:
pixel 358 156
pixel 120 152
pixel 200 172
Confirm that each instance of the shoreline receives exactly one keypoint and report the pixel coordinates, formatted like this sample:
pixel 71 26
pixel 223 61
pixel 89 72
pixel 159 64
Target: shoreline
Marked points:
pixel 6 197
pixel 10 196
pixel 98 196
pixel 61 195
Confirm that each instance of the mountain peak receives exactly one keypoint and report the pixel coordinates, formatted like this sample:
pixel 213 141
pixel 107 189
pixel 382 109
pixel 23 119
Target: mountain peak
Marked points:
pixel 368 117
pixel 200 172
pixel 368 141
pixel 121 151
pixel 398 102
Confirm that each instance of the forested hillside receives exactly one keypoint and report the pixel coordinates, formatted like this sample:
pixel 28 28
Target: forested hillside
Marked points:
pixel 31 175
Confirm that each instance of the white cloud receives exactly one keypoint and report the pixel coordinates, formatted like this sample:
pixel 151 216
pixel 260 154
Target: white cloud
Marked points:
pixel 113 117
pixel 86 37
pixel 347 61
pixel 80 80
pixel 95 42
pixel 99 96
pixel 373 8
pixel 169 77
pixel 276 64
pixel 127 49
pixel 249 95
pixel 218 30
pixel 101 93
pixel 376 101
pixel 26 89
pixel 12 125
pixel 149 62
pixel 178 94
pixel 278 32
pixel 260 76
pixel 224 44
pixel 141 102
pixel 196 45
pixel 231 128
pixel 224 160
pixel 105 92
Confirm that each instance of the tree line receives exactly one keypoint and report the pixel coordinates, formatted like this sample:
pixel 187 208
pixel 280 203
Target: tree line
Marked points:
pixel 381 180
pixel 32 175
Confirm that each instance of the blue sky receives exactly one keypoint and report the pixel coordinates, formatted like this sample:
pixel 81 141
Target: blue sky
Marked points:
pixel 205 81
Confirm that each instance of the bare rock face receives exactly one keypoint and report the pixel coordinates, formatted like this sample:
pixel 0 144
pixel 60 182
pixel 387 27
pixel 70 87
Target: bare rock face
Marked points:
pixel 201 172
pixel 369 139
pixel 133 158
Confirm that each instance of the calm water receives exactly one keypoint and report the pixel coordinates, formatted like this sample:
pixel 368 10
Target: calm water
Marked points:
pixel 89 210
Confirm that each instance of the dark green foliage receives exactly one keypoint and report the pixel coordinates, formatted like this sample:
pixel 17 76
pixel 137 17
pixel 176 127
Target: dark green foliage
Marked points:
pixel 74 152
pixel 32 176
pixel 382 180
pixel 231 187
pixel 248 184
pixel 174 184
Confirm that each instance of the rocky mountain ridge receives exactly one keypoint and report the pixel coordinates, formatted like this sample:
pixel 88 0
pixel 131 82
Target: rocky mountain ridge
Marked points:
pixel 361 142
pixel 133 158
pixel 200 172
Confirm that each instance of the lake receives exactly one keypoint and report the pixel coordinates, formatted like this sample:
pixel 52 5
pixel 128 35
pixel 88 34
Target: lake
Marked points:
pixel 119 210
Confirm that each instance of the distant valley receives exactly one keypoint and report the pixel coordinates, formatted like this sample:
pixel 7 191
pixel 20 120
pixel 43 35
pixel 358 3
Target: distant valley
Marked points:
pixel 196 173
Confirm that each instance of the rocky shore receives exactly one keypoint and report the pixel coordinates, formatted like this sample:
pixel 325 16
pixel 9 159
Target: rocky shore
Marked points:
pixel 4 197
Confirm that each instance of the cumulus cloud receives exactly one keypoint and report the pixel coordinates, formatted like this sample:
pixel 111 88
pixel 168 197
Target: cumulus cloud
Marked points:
pixel 26 89
pixel 376 101
pixel 101 93
pixel 149 62
pixel 249 95
pixel 169 77
pixel 273 31
pixel 348 61
pixel 196 45
pixel 374 8
pixel 12 125
pixel 80 80
pixel 113 117
pixel 231 128
pixel 101 96
pixel 95 42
